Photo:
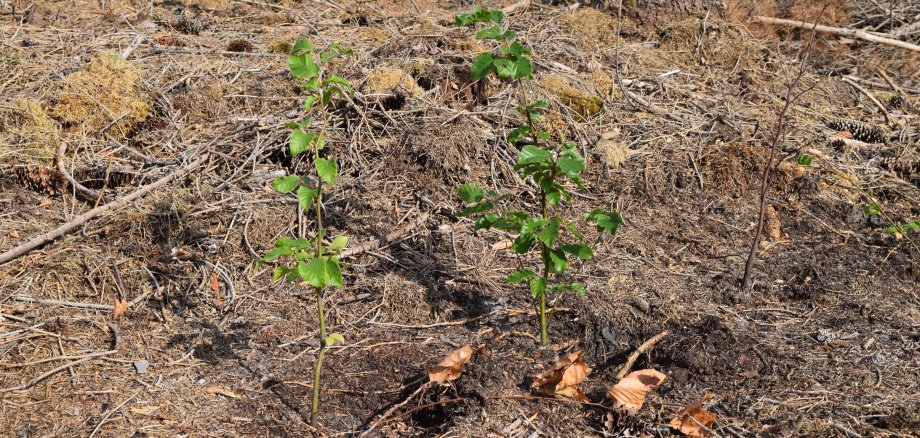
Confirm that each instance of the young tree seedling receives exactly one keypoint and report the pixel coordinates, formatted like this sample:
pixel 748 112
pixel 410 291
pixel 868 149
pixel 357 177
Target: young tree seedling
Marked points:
pixel 552 167
pixel 312 261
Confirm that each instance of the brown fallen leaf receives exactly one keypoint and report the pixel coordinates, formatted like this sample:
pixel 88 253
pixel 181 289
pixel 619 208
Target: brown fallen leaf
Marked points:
pixel 694 420
pixel 214 389
pixel 629 393
pixel 564 378
pixel 772 225
pixel 121 306
pixel 452 366
pixel 215 287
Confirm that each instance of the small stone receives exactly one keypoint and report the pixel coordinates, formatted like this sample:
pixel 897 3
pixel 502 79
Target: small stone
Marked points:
pixel 141 366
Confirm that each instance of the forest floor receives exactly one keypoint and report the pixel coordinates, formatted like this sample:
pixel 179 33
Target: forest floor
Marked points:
pixel 122 93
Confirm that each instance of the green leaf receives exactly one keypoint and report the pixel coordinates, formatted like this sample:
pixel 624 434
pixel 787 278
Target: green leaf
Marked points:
pixel 334 338
pixel 490 33
pixel 286 242
pixel 311 84
pixel 482 65
pixel 336 79
pixel 479 15
pixel 327 169
pixel 308 103
pixel 302 46
pixel 532 154
pixel 523 243
pixel 319 142
pixel 518 133
pixel 470 193
pixel 549 233
pixel 305 197
pixel 578 287
pixel 329 93
pixel 275 253
pixel 517 277
pixel 522 68
pixel 279 272
pixel 537 287
pixel 558 261
pixel 515 50
pixel 608 222
pixel 554 195
pixel 581 251
pixel 335 50
pixel 302 66
pixel 872 209
pixel 478 208
pixel 338 243
pixel 571 165
pixel 300 141
pixel 506 68
pixel 533 224
pixel 804 160
pixel 284 184
pixel 486 221
pixel 321 272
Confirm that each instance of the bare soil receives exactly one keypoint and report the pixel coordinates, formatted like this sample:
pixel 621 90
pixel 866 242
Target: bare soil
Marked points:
pixel 827 344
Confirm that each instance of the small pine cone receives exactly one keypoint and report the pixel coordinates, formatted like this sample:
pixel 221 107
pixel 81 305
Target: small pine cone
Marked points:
pixel 43 179
pixel 861 131
pixel 837 144
pixel 896 102
pixel 186 25
pixel 239 46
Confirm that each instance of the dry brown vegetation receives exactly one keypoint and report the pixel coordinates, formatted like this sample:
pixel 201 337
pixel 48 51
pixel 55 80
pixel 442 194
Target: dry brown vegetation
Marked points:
pixel 149 320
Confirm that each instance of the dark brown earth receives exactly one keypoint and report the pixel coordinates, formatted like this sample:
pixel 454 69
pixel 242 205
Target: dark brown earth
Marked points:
pixel 826 344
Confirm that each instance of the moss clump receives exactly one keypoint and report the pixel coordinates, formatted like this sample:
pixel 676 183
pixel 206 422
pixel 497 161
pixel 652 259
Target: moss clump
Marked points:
pixel 28 133
pixel 581 102
pixel 107 95
pixel 280 46
pixel 389 80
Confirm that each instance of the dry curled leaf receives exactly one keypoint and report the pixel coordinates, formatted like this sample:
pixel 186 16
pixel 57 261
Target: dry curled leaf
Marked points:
pixel 452 366
pixel 121 306
pixel 629 393
pixel 772 226
pixel 694 420
pixel 564 378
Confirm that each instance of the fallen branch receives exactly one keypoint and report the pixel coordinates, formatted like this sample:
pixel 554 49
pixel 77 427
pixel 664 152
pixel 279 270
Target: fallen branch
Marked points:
pixel 90 194
pixel 639 351
pixel 76 222
pixel 44 376
pixel 839 31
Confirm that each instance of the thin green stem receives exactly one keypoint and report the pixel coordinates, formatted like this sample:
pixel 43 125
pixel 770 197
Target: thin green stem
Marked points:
pixel 314 407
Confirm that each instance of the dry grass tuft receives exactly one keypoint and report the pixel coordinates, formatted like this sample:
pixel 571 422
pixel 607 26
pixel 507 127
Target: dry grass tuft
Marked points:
pixel 596 28
pixel 106 96
pixel 390 80
pixel 28 133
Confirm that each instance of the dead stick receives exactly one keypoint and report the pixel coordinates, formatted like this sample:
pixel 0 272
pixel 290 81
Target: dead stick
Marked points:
pixel 870 96
pixel 839 31
pixel 642 349
pixel 89 194
pixel 83 218
pixel 44 376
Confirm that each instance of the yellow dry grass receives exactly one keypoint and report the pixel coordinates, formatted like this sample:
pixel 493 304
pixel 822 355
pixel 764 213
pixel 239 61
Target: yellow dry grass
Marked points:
pixel 105 96
pixel 28 135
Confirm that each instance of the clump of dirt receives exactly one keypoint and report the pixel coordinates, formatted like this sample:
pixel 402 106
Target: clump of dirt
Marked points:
pixel 391 80
pixel 107 95
pixel 715 42
pixel 28 132
pixel 580 101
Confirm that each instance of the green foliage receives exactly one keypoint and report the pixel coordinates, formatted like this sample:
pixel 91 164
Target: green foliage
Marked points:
pixel 903 228
pixel 512 61
pixel 553 167
pixel 872 209
pixel 804 160
pixel 312 261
